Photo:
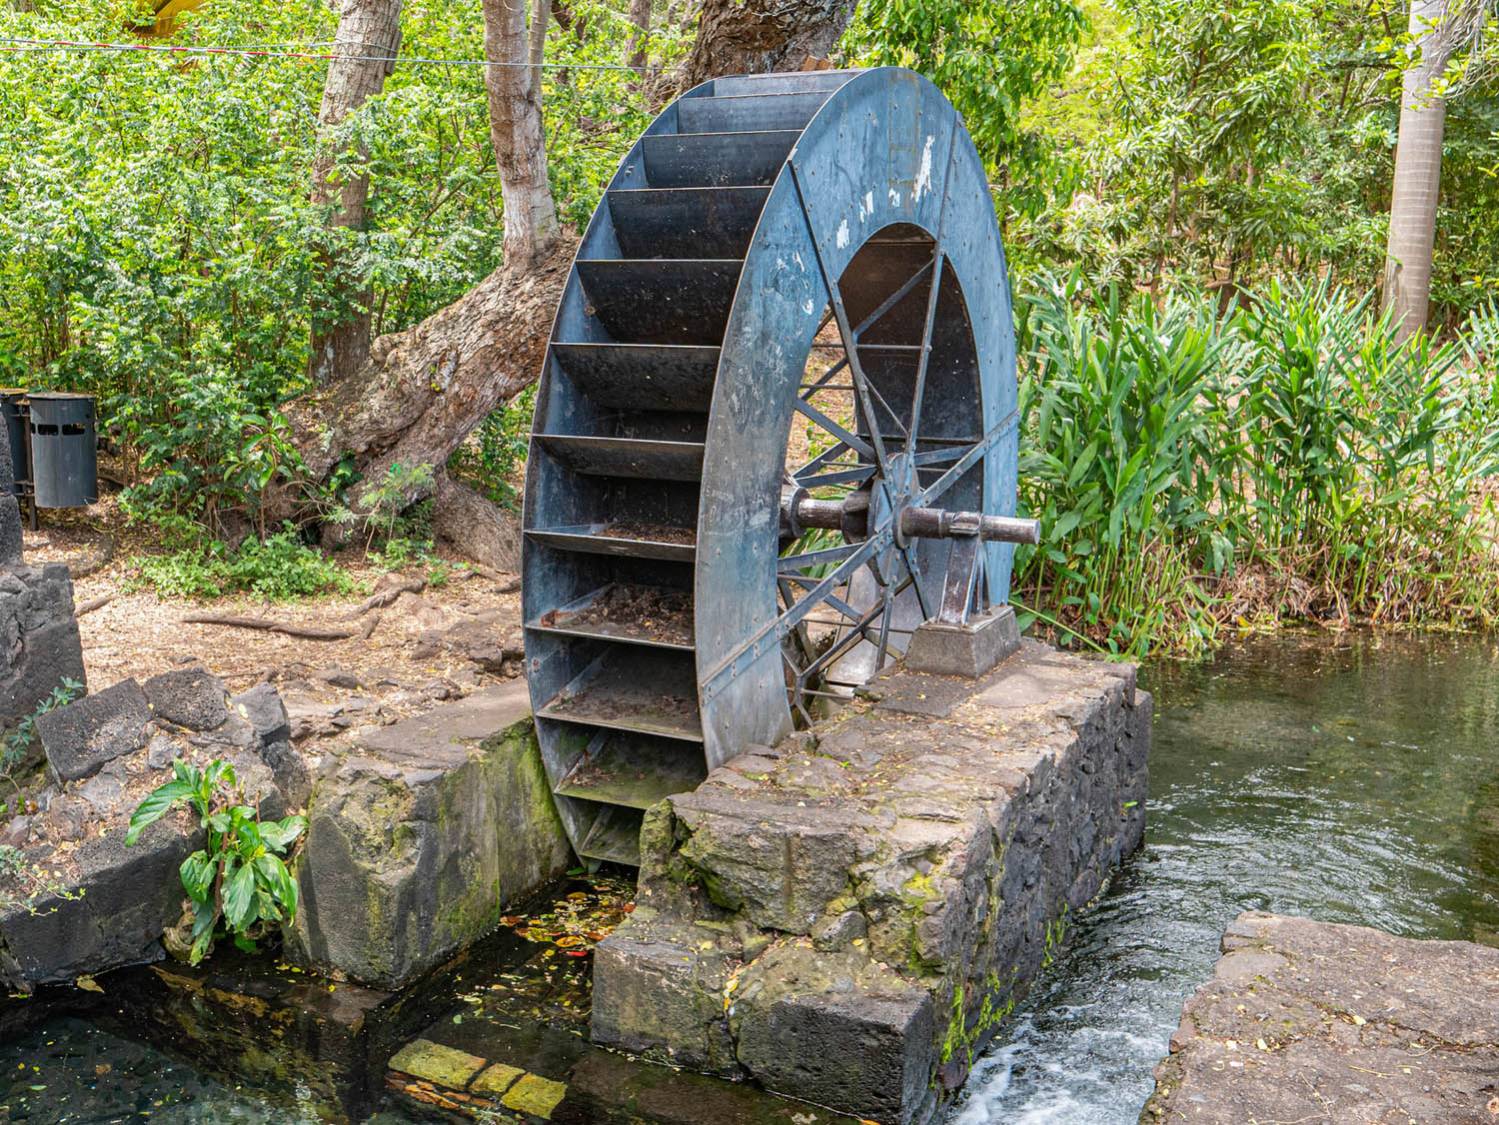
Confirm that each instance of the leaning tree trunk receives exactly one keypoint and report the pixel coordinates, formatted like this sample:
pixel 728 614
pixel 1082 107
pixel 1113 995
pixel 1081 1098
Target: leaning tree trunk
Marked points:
pixel 425 389
pixel 1418 172
pixel 368 31
pixel 749 36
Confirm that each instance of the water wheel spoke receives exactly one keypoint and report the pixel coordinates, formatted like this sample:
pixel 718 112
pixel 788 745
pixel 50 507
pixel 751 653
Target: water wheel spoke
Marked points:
pixel 848 438
pixel 924 360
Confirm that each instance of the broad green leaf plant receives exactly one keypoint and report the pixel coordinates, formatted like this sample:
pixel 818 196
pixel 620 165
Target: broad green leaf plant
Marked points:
pixel 241 877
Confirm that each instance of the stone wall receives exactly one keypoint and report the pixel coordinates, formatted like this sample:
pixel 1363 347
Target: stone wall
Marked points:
pixel 105 905
pixel 848 917
pixel 418 840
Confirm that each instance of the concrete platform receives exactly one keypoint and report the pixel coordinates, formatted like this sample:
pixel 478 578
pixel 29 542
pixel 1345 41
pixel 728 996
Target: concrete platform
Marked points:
pixel 1311 1021
pixel 848 917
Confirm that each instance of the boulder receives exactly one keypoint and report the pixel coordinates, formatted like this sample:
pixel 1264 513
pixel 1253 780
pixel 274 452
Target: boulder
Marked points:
pixel 190 697
pixel 422 836
pixel 96 729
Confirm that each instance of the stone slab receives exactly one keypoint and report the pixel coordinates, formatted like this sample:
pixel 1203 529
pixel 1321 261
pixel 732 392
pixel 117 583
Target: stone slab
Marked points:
pixel 1312 1021
pixel 419 838
pixel 847 917
pixel 95 730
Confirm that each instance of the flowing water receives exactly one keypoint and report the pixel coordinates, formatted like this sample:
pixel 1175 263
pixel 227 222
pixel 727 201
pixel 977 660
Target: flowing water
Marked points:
pixel 1350 780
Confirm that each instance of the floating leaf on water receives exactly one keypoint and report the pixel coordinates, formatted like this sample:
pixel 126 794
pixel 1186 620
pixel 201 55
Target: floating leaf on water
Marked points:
pixel 88 984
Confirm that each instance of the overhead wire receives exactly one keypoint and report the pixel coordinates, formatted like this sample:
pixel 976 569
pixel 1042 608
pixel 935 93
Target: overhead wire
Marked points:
pixel 18 45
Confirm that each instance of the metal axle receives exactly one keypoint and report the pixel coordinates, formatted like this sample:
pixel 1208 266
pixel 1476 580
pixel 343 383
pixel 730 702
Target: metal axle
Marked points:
pixel 851 516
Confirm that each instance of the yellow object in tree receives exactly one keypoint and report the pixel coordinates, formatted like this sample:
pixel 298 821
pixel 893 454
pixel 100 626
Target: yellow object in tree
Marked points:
pixel 166 12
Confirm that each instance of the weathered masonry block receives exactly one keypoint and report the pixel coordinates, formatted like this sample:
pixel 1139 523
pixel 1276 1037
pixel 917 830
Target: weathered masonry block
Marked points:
pixel 417 840
pixel 848 917
pixel 39 643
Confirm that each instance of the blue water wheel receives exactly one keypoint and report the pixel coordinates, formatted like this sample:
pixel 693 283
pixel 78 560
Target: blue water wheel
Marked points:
pixel 775 431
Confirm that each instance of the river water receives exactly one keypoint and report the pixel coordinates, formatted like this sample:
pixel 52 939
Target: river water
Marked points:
pixel 1349 779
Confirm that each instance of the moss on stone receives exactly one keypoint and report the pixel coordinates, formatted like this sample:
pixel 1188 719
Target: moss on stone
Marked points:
pixel 446 1066
pixel 535 1095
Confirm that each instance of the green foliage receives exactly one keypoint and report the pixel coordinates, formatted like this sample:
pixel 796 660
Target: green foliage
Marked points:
pixel 1291 459
pixel 1226 144
pixel 240 878
pixel 18 741
pixel 492 460
pixel 383 502
pixel 26 884
pixel 989 57
pixel 158 243
pixel 280 568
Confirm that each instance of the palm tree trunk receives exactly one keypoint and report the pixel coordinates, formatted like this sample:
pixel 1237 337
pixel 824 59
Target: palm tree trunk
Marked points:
pixel 1418 171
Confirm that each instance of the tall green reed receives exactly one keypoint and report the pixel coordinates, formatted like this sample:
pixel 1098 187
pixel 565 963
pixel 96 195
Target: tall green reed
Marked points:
pixel 1290 459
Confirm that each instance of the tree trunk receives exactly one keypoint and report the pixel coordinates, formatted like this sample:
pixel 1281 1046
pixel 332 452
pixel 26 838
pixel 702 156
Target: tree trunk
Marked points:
pixel 425 389
pixel 516 131
pixel 481 530
pixel 541 16
pixel 1418 172
pixel 640 17
pixel 750 36
pixel 341 326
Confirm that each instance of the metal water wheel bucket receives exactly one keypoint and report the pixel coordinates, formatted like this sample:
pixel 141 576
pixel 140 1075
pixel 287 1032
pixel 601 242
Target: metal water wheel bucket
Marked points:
pixel 63 450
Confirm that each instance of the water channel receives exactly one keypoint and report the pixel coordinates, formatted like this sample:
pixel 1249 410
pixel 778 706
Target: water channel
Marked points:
pixel 1351 779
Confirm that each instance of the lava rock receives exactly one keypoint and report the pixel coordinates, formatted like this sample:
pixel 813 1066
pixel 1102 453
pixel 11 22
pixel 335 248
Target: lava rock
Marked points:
pixel 263 708
pixel 339 678
pixel 289 771
pixel 161 752
pixel 39 643
pixel 190 697
pixel 97 729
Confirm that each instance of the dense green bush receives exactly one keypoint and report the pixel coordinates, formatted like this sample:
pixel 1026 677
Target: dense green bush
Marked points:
pixel 1288 459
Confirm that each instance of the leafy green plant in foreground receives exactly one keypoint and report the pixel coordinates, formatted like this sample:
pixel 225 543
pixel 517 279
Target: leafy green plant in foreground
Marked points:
pixel 241 876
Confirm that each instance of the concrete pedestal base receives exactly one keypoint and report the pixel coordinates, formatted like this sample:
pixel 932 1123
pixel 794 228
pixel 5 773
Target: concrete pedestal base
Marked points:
pixel 970 650
pixel 848 917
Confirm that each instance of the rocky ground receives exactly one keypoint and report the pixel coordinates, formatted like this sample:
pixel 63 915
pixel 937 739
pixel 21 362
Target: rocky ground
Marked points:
pixel 431 642
pixel 1311 1021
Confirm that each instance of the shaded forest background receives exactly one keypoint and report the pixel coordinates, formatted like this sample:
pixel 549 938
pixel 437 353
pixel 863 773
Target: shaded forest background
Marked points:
pixel 1194 197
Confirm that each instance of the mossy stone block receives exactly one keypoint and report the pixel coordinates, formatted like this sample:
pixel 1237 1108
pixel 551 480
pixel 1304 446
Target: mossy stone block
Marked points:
pixel 446 1066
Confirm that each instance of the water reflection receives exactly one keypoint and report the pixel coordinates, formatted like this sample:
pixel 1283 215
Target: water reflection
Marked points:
pixel 1352 780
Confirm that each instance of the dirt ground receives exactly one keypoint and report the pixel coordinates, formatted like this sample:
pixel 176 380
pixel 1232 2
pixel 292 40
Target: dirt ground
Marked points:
pixel 423 647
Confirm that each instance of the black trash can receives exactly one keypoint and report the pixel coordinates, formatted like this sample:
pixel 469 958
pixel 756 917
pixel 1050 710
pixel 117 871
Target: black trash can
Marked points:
pixel 13 407
pixel 64 457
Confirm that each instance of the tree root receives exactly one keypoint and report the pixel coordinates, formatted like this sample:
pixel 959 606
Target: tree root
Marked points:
pixel 308 632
